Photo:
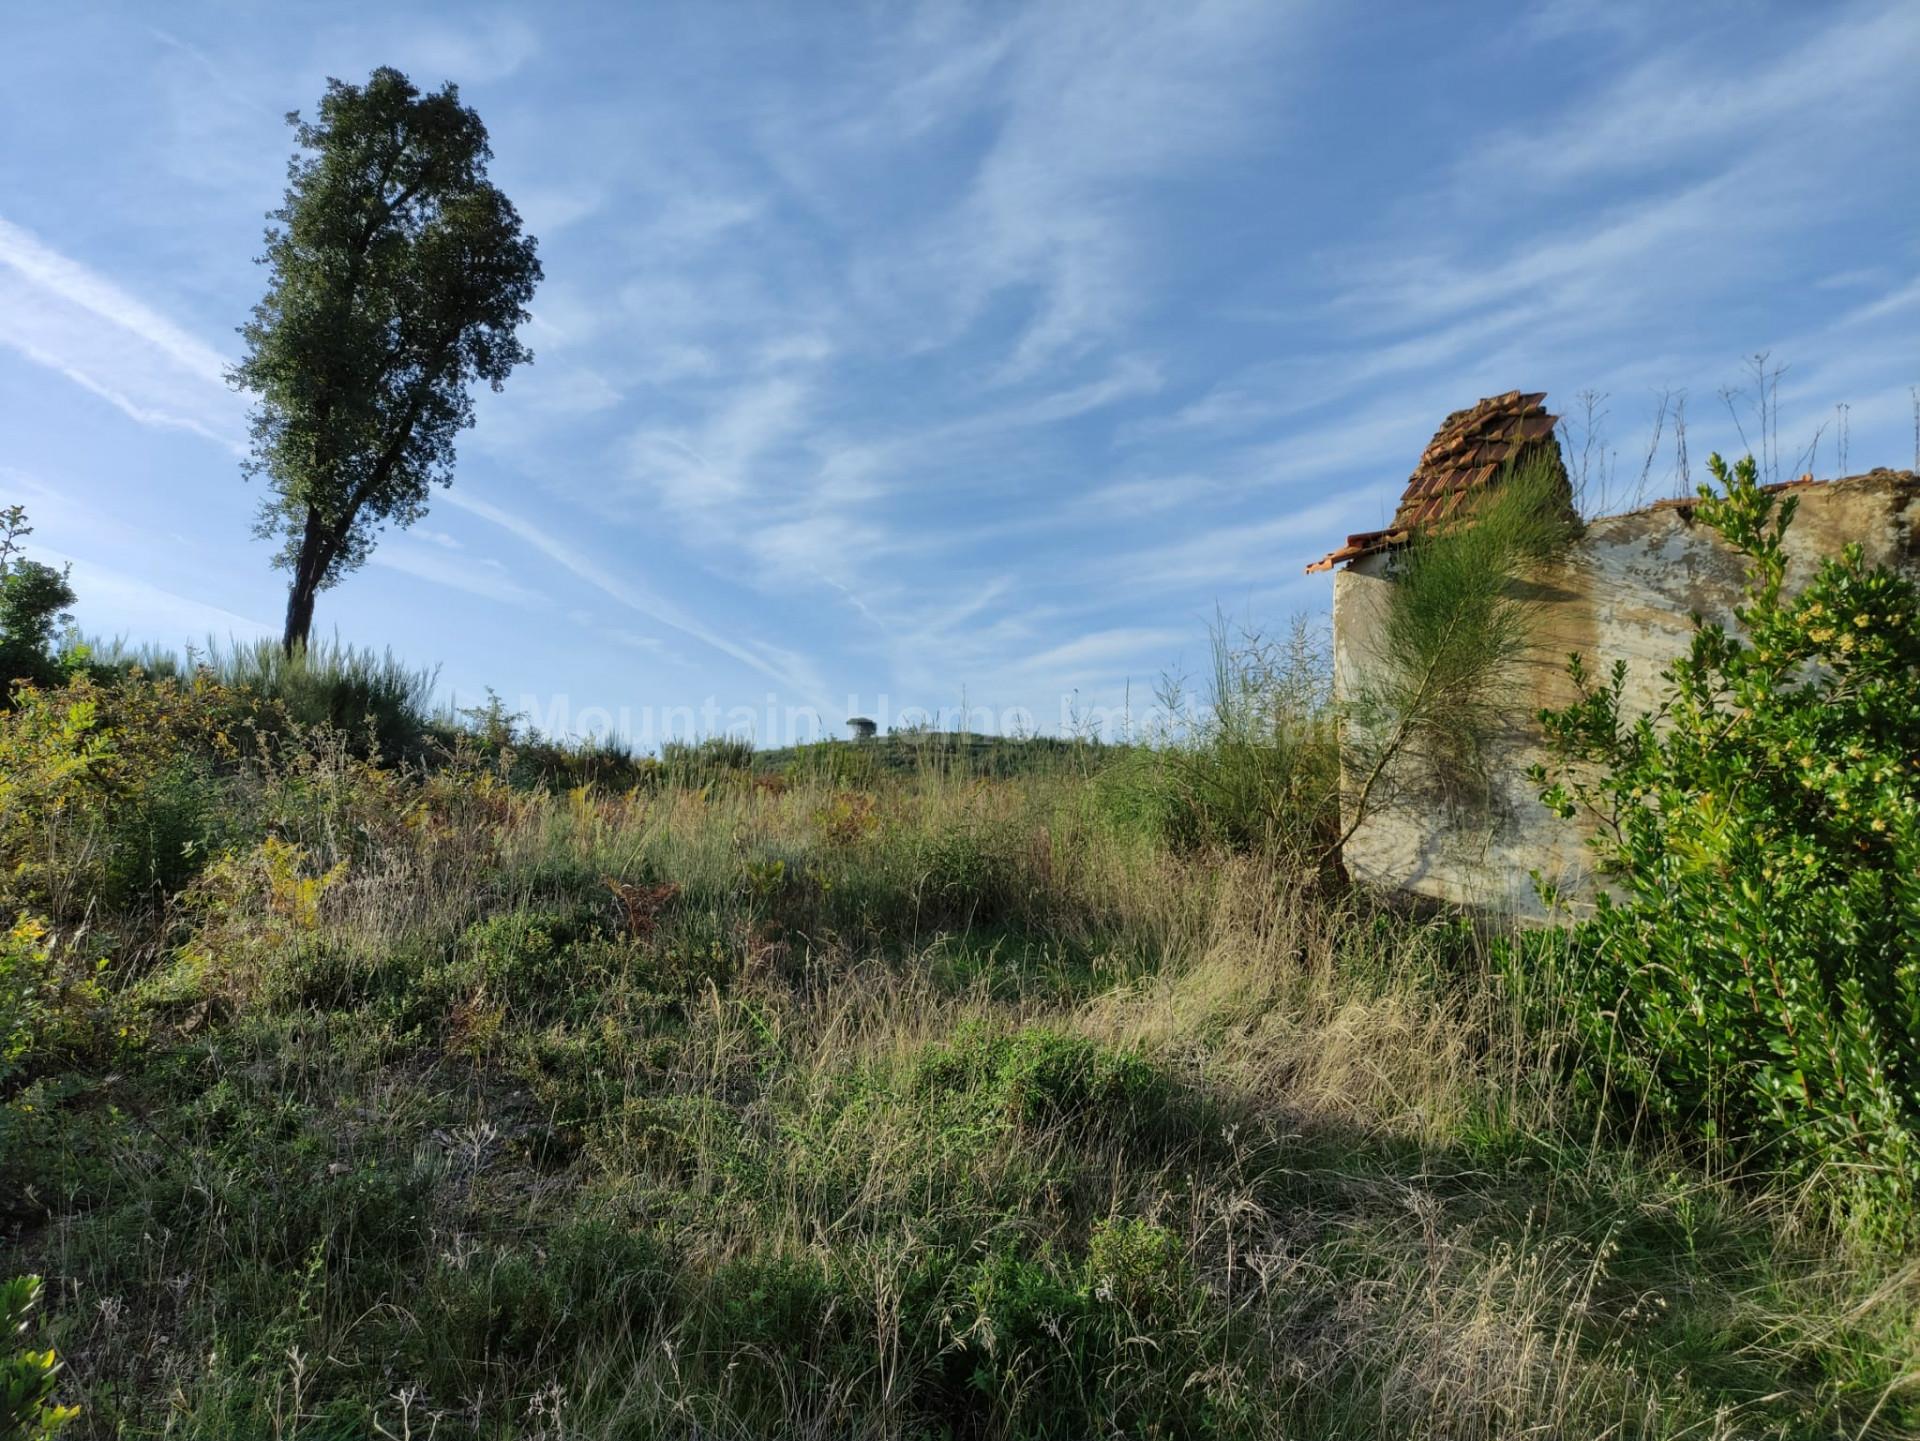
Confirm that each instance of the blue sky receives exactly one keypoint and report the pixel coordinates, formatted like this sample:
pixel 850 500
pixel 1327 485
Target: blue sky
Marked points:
pixel 889 354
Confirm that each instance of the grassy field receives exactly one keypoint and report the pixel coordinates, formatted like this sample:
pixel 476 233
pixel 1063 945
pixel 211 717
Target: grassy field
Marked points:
pixel 434 1104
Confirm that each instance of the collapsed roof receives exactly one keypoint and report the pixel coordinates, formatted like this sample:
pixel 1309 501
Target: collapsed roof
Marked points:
pixel 1459 463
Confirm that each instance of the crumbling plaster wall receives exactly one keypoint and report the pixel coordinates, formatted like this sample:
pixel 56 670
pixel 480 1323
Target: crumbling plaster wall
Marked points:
pixel 1628 591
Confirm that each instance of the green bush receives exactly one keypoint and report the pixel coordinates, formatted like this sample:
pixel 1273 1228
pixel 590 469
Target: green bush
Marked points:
pixel 1037 1077
pixel 587 1281
pixel 966 875
pixel 48 1003
pixel 1109 1344
pixel 371 696
pixel 1259 770
pixel 1421 715
pixel 539 963
pixel 28 1411
pixel 1758 970
pixel 836 763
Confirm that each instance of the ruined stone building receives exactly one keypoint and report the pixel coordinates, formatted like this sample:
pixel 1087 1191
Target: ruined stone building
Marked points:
pixel 1628 589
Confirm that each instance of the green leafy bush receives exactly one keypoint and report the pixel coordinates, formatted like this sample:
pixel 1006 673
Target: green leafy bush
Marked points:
pixel 1758 970
pixel 1104 1345
pixel 1037 1076
pixel 47 1003
pixel 104 791
pixel 28 1411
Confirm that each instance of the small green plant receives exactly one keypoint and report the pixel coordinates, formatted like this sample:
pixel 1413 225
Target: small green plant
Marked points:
pixel 28 1411
pixel 847 817
pixel 1137 1264
pixel 1758 970
pixel 1037 1077
pixel 1454 622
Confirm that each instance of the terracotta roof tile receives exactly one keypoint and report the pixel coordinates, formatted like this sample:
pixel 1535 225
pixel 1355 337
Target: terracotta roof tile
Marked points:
pixel 1464 456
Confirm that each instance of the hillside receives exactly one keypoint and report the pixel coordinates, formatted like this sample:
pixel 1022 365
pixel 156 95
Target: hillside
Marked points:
pixel 355 1101
pixel 946 752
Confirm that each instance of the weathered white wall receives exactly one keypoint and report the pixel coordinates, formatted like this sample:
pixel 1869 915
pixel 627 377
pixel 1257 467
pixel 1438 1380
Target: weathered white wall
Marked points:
pixel 1628 591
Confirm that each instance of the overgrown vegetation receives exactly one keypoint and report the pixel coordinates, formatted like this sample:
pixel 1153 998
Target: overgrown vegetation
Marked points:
pixel 489 1086
pixel 1757 974
pixel 1257 769
pixel 1439 689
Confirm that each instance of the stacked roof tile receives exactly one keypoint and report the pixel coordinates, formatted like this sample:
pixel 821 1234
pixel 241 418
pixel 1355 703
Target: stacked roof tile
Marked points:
pixel 1462 459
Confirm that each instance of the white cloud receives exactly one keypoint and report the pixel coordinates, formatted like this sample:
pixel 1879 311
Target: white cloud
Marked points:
pixel 455 574
pixel 700 470
pixel 1087 109
pixel 1904 298
pixel 1683 100
pixel 54 274
pixel 479 49
pixel 1100 100
pixel 72 320
pixel 1231 555
pixel 1104 653
pixel 790 670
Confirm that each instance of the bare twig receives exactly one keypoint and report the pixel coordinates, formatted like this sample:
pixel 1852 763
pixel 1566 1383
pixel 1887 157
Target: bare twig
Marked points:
pixel 1653 448
pixel 1680 444
pixel 1810 457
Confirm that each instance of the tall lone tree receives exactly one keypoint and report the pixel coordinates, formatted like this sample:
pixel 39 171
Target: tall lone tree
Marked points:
pixel 400 276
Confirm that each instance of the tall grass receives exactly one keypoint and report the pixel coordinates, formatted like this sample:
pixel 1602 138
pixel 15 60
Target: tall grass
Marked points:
pixel 369 694
pixel 1257 767
pixel 937 1105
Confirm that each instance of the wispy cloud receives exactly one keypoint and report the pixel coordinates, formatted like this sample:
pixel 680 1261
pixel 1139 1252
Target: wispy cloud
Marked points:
pixel 793 672
pixel 702 470
pixel 1839 65
pixel 1091 105
pixel 49 271
pixel 76 322
pixel 475 577
pixel 482 47
pixel 1232 556
pixel 1892 303
pixel 1102 655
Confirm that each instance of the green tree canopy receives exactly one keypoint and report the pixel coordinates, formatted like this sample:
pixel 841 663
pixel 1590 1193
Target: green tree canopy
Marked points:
pixel 33 607
pixel 399 277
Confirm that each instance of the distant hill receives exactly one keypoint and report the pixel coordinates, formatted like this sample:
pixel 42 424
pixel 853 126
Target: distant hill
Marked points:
pixel 906 753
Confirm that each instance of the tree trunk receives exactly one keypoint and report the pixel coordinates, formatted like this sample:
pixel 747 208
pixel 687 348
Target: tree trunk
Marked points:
pixel 309 569
pixel 299 612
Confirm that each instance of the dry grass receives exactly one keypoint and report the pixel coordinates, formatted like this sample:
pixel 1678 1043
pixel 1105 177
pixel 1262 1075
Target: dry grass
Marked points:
pixel 955 1108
